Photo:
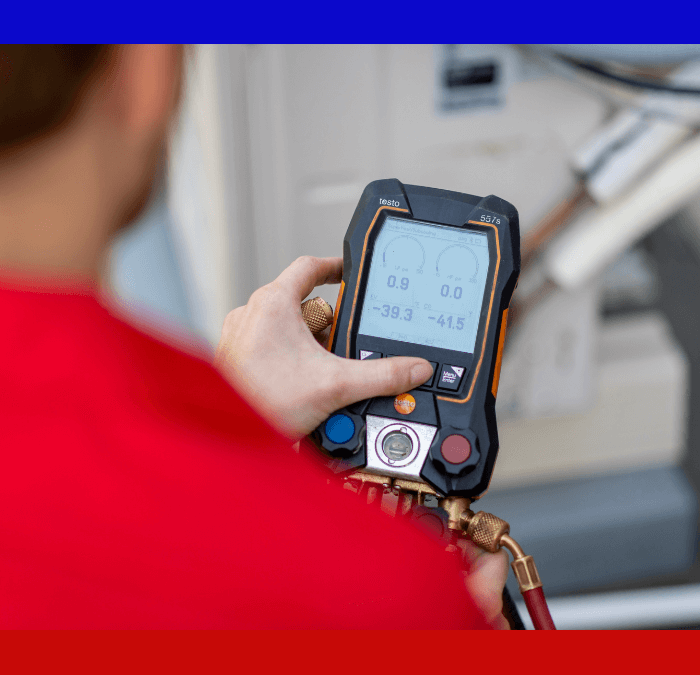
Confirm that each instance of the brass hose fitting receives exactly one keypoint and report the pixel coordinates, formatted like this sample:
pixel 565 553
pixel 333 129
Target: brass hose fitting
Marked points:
pixel 523 565
pixel 456 507
pixel 485 529
pixel 491 533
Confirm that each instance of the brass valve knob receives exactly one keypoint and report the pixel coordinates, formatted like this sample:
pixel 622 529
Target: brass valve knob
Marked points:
pixel 317 314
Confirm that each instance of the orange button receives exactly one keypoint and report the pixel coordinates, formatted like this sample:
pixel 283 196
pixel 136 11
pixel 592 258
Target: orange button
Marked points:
pixel 405 404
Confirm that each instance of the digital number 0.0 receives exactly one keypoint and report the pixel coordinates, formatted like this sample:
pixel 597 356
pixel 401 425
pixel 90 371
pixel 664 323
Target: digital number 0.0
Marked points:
pixel 456 292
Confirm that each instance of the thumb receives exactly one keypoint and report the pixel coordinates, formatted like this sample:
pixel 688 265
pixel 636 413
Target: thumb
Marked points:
pixel 380 377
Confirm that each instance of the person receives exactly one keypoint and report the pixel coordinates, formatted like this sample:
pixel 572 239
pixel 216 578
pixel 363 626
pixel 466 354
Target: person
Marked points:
pixel 142 485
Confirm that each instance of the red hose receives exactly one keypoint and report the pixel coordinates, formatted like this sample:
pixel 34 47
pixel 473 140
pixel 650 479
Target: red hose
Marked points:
pixel 538 610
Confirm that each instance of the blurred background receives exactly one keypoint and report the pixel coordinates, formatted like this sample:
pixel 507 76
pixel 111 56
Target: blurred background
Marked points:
pixel 597 147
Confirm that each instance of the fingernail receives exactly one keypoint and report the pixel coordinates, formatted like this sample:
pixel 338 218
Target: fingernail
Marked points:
pixel 420 373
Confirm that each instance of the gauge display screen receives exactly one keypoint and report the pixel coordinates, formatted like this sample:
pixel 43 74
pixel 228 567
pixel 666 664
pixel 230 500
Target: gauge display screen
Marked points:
pixel 426 285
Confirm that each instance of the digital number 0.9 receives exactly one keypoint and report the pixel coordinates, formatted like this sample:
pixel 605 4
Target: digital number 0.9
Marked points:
pixel 391 283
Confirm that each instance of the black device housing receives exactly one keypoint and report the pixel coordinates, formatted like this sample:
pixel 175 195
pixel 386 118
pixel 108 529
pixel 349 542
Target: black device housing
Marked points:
pixel 469 411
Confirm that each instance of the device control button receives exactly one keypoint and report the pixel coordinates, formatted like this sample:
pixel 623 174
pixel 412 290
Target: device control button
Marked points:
pixel 366 355
pixel 451 377
pixel 405 404
pixel 456 449
pixel 429 383
pixel 339 429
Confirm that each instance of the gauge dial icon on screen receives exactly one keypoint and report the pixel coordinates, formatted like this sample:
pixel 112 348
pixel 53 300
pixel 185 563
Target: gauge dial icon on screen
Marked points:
pixel 458 258
pixel 404 251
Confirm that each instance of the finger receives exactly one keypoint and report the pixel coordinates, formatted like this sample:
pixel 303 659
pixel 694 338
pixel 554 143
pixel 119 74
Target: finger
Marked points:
pixel 486 581
pixel 380 377
pixel 492 567
pixel 500 623
pixel 322 337
pixel 307 272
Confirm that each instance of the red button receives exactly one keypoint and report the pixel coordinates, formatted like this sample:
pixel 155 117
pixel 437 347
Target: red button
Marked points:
pixel 456 449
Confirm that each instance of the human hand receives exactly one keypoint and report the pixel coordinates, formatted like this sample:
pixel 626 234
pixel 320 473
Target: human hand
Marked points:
pixel 485 582
pixel 270 356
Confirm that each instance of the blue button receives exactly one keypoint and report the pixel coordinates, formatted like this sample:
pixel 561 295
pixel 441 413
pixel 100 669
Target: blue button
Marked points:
pixel 340 429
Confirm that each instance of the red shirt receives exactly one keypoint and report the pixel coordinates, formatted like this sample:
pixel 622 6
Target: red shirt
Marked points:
pixel 138 490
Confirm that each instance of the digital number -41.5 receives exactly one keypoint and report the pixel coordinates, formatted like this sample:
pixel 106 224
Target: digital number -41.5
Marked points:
pixel 450 322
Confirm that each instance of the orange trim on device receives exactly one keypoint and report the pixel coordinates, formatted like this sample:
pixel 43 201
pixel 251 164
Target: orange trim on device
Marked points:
pixel 341 290
pixel 499 356
pixel 359 271
pixel 488 317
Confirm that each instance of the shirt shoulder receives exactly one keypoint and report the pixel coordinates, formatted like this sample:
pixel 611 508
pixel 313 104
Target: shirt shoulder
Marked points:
pixel 139 491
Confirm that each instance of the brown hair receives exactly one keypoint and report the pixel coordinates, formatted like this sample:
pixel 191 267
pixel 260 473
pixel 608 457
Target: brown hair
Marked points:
pixel 41 87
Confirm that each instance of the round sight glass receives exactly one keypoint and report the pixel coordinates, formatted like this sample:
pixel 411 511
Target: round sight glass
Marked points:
pixel 397 446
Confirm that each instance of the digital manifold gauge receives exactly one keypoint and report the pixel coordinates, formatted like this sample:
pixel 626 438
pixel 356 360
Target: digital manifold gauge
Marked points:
pixel 426 273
